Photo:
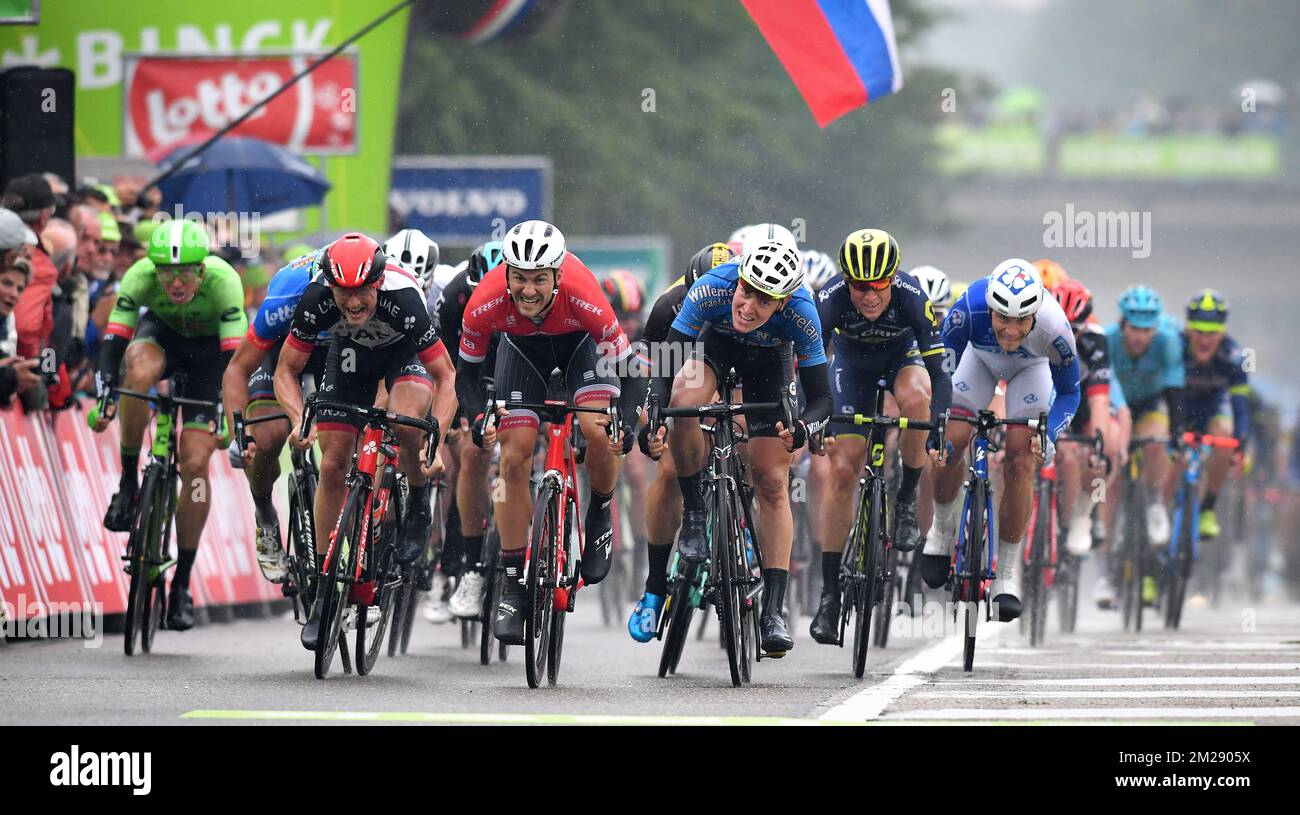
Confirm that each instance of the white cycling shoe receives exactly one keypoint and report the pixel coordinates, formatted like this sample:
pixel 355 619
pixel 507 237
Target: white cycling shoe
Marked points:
pixel 271 557
pixel 1103 594
pixel 1004 592
pixel 434 605
pixel 467 602
pixel 1158 526
pixel 1078 541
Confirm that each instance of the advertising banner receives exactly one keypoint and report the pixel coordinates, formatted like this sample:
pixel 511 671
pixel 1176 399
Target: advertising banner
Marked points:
pixel 465 200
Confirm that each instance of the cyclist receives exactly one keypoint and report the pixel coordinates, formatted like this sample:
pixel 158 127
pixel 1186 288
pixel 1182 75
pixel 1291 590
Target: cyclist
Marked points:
pixel 1050 273
pixel 193 318
pixel 381 331
pixel 1216 395
pixel 471 487
pixel 1146 356
pixel 663 498
pixel 551 313
pixel 752 315
pixel 942 293
pixel 1075 495
pixel 248 384
pixel 819 270
pixel 1004 327
pixel 417 253
pixel 881 325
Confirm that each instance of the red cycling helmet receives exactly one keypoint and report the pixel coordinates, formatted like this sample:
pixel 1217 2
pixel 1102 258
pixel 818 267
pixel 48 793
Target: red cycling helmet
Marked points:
pixel 1075 300
pixel 353 261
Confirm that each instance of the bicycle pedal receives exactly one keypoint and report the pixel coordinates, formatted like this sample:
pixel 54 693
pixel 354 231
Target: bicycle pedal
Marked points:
pixel 773 654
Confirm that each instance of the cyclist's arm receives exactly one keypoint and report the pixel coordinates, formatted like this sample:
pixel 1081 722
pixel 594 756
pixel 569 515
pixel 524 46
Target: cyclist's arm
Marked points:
pixel 131 295
pixel 1239 394
pixel 662 385
pixel 490 297
pixel 288 383
pixel 444 394
pixel 816 383
pixel 929 340
pixel 234 382
pixel 956 333
pixel 1065 378
pixel 232 322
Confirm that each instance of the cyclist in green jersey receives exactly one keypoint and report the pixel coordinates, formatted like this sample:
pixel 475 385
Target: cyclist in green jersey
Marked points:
pixel 178 309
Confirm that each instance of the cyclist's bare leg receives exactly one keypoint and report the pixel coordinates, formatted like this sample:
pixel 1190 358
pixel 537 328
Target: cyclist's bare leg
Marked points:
pixel 819 479
pixel 603 467
pixel 847 453
pixel 693 386
pixel 663 503
pixel 269 437
pixel 770 466
pixel 145 363
pixel 513 502
pixel 336 448
pixel 410 398
pixel 471 486
pixel 194 498
pixel 950 475
pixel 1216 472
pixel 912 392
pixel 1018 474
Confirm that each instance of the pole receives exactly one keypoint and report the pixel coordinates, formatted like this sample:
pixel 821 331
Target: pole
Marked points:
pixel 293 81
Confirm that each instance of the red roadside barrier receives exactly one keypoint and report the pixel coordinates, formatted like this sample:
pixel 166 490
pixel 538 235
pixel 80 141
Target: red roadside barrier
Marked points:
pixel 56 479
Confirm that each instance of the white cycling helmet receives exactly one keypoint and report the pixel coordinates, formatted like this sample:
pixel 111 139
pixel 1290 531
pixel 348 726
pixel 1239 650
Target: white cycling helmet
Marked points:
pixel 934 283
pixel 773 268
pixel 534 245
pixel 754 236
pixel 818 269
pixel 415 251
pixel 1014 289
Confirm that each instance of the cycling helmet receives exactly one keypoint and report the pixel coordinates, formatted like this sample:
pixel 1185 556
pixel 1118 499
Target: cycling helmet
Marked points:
pixel 869 254
pixel 773 268
pixel 534 245
pixel 1050 273
pixel 1013 289
pixel 1075 300
pixel 934 283
pixel 818 269
pixel 178 243
pixel 353 261
pixel 414 250
pixel 958 289
pixel 483 259
pixel 707 259
pixel 1207 311
pixel 1141 306
pixel 759 234
pixel 623 289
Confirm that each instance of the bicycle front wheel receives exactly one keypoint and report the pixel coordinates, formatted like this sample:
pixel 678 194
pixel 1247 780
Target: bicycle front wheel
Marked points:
pixel 540 582
pixel 141 543
pixel 729 599
pixel 1039 557
pixel 867 576
pixel 678 608
pixel 491 596
pixel 332 588
pixel 974 577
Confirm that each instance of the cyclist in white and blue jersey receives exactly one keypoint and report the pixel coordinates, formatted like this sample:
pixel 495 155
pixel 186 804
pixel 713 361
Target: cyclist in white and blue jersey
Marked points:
pixel 756 318
pixel 1004 327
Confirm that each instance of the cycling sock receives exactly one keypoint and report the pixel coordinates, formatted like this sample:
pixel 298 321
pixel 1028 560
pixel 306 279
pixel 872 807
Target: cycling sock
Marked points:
pixel 265 509
pixel 473 547
pixel 656 580
pixel 692 495
pixel 184 563
pixel 598 502
pixel 130 466
pixel 1208 503
pixel 830 569
pixel 774 581
pixel 911 477
pixel 513 562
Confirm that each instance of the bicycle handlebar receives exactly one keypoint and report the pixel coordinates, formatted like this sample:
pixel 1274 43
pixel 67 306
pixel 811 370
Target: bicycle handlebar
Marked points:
pixel 240 441
pixel 374 415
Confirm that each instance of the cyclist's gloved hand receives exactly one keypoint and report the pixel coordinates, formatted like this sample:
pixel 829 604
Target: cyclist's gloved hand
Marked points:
pixel 799 433
pixel 629 438
pixel 476 431
pixel 643 440
pixel 236 458
pixel 932 444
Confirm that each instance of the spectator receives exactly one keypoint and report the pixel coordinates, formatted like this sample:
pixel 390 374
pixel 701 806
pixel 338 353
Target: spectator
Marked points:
pixel 92 257
pixel 60 189
pixel 71 309
pixel 94 198
pixel 17 375
pixel 31 198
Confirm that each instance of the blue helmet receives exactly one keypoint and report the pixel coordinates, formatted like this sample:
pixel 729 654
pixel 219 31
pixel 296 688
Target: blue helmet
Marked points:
pixel 483 260
pixel 1140 306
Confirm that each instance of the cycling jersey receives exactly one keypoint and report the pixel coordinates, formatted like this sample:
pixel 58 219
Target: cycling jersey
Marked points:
pixel 275 315
pixel 449 311
pixel 709 301
pixel 908 321
pixel 1147 377
pixel 400 316
pixel 215 311
pixel 1210 384
pixel 1094 361
pixel 579 306
pixel 664 311
pixel 969 325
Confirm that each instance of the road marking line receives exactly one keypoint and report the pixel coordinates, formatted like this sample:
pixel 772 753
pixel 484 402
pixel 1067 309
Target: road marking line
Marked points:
pixel 1145 666
pixel 1109 694
pixel 1136 680
pixel 429 717
pixel 1241 714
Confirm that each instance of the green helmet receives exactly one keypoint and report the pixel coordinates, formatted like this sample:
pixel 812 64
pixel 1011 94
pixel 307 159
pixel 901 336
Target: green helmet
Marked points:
pixel 178 242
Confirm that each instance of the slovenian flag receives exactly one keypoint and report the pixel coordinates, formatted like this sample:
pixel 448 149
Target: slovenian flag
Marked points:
pixel 840 53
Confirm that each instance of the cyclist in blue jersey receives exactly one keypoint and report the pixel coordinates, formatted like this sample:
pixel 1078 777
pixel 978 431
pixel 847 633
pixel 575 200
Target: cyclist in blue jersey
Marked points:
pixel 248 386
pixel 1216 395
pixel 881 325
pixel 1004 327
pixel 756 318
pixel 1146 356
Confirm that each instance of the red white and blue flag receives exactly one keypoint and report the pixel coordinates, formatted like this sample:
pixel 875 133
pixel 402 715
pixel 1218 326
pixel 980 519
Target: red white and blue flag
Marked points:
pixel 840 53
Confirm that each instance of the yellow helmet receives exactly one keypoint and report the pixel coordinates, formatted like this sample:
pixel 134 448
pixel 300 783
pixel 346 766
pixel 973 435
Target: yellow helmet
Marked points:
pixel 958 289
pixel 869 254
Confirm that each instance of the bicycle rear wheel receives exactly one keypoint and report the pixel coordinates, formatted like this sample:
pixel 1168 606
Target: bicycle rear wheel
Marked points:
pixel 540 582
pixel 1180 571
pixel 332 588
pixel 140 544
pixel 974 577
pixel 1039 557
pixel 678 608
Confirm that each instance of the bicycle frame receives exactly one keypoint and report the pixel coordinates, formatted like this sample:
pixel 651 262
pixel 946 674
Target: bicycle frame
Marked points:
pixel 561 469
pixel 979 471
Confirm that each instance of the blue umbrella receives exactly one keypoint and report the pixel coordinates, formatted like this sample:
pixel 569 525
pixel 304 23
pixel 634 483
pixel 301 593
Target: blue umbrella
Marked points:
pixel 240 174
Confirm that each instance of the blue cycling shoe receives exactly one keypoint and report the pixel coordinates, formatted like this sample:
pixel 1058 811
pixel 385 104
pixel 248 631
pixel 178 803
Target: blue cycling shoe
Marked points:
pixel 644 621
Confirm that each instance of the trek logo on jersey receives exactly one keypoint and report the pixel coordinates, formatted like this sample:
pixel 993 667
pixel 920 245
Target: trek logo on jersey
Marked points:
pixel 585 306
pixel 488 306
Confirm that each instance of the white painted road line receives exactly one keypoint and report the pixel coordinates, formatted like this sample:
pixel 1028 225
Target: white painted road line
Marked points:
pixel 1148 666
pixel 870 703
pixel 1108 694
pixel 1051 713
pixel 1137 680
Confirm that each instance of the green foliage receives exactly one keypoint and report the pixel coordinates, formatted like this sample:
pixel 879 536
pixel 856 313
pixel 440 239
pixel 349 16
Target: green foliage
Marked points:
pixel 729 140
